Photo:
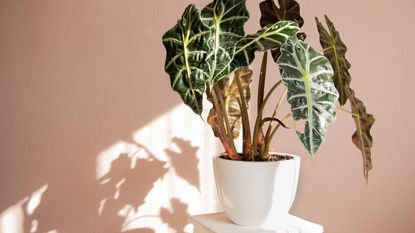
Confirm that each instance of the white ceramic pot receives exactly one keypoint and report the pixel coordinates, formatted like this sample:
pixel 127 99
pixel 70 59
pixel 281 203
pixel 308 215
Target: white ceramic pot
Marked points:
pixel 256 194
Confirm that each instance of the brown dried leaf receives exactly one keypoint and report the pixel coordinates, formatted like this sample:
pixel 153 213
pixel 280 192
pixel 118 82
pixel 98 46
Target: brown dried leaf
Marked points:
pixel 362 137
pixel 230 94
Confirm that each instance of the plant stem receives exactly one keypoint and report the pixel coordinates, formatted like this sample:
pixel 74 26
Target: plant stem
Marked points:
pixel 268 142
pixel 261 89
pixel 246 142
pixel 274 114
pixel 225 136
pixel 262 76
pixel 259 119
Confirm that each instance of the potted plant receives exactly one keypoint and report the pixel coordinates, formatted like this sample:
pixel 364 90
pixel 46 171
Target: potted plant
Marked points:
pixel 208 54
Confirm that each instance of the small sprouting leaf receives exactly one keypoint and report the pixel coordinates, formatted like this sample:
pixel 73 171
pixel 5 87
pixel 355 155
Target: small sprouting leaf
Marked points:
pixel 362 137
pixel 311 92
pixel 184 45
pixel 335 50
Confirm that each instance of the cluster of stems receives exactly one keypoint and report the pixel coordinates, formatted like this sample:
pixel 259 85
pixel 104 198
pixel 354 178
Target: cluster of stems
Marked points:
pixel 257 145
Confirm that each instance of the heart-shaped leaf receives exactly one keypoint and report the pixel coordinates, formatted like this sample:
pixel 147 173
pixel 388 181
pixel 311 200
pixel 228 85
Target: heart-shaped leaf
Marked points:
pixel 335 50
pixel 185 44
pixel 311 92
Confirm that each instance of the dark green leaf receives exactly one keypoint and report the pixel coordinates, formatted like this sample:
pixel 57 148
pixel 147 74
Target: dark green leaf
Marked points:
pixel 208 46
pixel 184 45
pixel 226 19
pixel 229 49
pixel 335 50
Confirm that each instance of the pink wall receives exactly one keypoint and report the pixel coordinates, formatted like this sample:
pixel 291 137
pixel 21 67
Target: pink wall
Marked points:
pixel 78 76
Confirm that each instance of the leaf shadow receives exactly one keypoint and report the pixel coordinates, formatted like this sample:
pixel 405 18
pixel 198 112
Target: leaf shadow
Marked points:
pixel 125 186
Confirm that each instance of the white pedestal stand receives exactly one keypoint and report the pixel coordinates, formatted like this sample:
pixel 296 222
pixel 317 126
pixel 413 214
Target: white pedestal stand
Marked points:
pixel 220 223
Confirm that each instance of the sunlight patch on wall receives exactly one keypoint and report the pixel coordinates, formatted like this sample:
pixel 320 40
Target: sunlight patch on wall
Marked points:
pixel 167 163
pixel 12 219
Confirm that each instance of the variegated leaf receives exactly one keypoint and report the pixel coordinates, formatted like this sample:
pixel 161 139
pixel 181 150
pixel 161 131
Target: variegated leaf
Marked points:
pixel 270 37
pixel 311 92
pixel 229 48
pixel 335 50
pixel 208 46
pixel 362 138
pixel 226 19
pixel 185 44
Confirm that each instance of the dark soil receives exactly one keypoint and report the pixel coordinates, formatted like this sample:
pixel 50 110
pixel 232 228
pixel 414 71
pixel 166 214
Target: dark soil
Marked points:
pixel 272 157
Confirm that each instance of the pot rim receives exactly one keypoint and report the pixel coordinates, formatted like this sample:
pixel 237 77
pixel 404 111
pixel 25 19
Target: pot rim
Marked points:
pixel 295 158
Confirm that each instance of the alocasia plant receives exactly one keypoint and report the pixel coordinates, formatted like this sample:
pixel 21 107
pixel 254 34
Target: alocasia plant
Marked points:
pixel 208 54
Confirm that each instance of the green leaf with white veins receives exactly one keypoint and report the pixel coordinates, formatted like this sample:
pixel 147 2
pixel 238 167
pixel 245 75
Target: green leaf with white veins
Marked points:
pixel 311 92
pixel 226 19
pixel 185 44
pixel 208 46
pixel 229 48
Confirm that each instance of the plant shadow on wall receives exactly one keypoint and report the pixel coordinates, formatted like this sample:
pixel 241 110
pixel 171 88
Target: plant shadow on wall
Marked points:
pixel 114 200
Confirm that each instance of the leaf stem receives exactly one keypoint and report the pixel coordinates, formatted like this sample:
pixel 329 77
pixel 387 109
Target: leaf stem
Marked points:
pixel 259 119
pixel 223 119
pixel 274 114
pixel 246 145
pixel 262 76
pixel 268 142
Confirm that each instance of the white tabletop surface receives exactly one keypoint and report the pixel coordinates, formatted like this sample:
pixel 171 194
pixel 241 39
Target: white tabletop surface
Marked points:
pixel 220 223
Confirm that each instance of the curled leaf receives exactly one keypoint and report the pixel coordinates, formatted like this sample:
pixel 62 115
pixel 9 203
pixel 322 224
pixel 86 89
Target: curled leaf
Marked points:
pixel 266 119
pixel 230 95
pixel 335 50
pixel 362 138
